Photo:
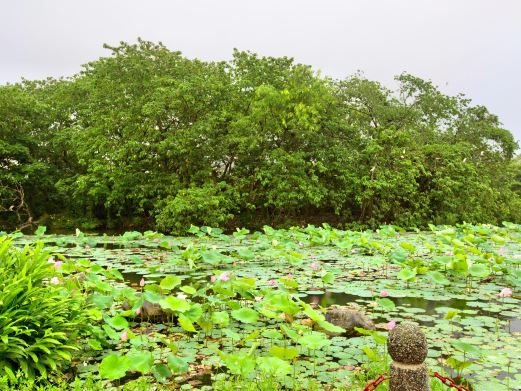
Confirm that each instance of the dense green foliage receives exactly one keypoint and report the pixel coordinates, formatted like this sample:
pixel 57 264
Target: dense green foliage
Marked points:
pixel 39 321
pixel 149 138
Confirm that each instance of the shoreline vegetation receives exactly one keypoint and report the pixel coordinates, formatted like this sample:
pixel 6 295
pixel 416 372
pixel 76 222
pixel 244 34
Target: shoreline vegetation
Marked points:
pixel 146 138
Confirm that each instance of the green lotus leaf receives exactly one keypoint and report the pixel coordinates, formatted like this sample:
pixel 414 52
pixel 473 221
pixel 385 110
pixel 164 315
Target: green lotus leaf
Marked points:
pixel 117 322
pixel 114 367
pixel 438 278
pixel 221 318
pixel 314 340
pixel 286 353
pixel 170 282
pixel 274 366
pixel 177 364
pixel 479 270
pixel 161 372
pixel 386 304
pixel 245 315
pixel 186 324
pixel 174 304
pixel 140 361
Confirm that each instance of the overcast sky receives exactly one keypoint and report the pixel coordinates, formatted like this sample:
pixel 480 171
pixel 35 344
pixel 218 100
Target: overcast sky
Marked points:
pixel 468 46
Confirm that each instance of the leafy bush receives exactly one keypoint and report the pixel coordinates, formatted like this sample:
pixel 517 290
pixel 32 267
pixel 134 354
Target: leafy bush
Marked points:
pixel 87 383
pixel 210 205
pixel 39 321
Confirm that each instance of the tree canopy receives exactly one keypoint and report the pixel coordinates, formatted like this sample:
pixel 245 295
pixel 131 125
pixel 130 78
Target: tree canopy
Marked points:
pixel 147 138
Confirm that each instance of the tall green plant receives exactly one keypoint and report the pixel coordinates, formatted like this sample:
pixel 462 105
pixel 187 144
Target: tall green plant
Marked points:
pixel 40 320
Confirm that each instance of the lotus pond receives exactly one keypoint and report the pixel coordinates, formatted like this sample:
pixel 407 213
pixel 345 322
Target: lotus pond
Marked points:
pixel 211 310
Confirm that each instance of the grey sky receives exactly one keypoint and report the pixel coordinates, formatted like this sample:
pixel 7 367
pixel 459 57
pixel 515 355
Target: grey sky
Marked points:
pixel 469 46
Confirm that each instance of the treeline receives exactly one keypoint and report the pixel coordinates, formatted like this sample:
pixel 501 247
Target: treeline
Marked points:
pixel 147 138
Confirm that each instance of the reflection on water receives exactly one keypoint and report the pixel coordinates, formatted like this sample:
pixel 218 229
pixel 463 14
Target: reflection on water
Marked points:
pixel 133 278
pixel 88 243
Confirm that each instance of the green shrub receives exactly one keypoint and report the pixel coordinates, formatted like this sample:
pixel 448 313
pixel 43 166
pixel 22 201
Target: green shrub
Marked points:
pixel 210 205
pixel 88 383
pixel 39 321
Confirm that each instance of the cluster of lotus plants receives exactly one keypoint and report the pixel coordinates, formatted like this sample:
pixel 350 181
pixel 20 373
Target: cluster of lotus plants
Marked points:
pixel 251 307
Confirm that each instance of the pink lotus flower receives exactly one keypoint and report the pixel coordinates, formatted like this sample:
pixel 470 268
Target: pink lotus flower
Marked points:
pixel 57 265
pixel 142 282
pixel 212 278
pixel 225 276
pixel 272 283
pixel 315 265
pixel 51 260
pixel 55 281
pixel 505 292
pixel 289 276
pixel 390 325
pixel 449 253
pixel 138 311
pixel 502 251
pixel 124 336
pixel 384 293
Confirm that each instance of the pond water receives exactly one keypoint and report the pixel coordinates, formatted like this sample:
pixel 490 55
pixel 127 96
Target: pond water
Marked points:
pixel 361 266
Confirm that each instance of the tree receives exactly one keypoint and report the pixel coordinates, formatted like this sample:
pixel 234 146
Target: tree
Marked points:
pixel 146 137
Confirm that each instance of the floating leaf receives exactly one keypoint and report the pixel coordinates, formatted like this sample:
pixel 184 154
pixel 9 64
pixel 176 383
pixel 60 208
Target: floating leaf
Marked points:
pixel 438 278
pixel 117 322
pixel 386 304
pixel 177 364
pixel 329 327
pixel 140 361
pixel 161 372
pixel 170 282
pixel 274 366
pixel 466 348
pixel 231 334
pixel 114 367
pixel 328 278
pixel 286 353
pixel 314 341
pixel 221 318
pixel 246 315
pixel 479 270
pixel 188 289
pixel 406 274
pixel 238 364
pixel 175 304
pixel 451 314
